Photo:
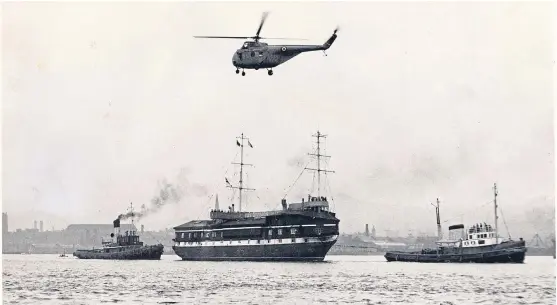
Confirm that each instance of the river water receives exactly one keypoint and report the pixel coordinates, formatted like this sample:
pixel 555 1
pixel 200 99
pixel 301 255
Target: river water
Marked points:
pixel 49 279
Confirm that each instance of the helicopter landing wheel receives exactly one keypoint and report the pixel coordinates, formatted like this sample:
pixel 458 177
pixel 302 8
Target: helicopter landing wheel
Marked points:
pixel 270 72
pixel 243 73
pixel 237 71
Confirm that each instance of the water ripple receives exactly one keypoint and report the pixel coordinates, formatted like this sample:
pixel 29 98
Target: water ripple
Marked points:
pixel 44 279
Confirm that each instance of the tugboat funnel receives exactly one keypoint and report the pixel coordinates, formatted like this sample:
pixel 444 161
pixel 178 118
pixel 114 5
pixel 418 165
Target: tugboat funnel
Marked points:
pixel 116 226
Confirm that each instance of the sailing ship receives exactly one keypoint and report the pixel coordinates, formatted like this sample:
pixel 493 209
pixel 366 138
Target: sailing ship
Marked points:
pixel 302 231
pixel 125 246
pixel 481 243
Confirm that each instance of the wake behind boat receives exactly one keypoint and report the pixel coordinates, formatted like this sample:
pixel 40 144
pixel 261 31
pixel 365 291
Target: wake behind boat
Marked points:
pixel 481 243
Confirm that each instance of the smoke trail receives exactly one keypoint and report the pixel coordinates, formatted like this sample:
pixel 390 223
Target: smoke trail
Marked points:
pixel 168 194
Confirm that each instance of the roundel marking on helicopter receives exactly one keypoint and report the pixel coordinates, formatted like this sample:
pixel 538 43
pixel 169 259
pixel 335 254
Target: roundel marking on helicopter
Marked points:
pixel 283 49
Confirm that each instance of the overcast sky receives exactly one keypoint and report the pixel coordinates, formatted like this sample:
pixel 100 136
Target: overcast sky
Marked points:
pixel 101 101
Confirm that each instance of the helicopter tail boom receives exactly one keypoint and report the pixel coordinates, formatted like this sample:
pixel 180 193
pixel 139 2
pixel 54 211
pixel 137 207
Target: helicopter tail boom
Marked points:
pixel 330 41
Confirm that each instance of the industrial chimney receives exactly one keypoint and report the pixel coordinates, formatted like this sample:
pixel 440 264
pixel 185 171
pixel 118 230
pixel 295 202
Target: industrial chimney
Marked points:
pixel 439 230
pixel 367 229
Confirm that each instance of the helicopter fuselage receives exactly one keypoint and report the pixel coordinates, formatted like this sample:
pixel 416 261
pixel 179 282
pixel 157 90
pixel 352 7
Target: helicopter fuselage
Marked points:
pixel 263 56
pixel 259 55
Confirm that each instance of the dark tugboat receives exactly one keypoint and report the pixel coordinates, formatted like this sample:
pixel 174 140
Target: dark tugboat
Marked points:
pixel 479 244
pixel 126 247
pixel 303 231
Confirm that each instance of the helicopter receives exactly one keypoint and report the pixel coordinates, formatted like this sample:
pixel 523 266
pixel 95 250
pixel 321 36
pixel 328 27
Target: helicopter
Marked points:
pixel 259 55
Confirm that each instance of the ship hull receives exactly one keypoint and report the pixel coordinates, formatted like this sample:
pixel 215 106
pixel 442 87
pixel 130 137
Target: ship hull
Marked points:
pixel 506 255
pixel 153 252
pixel 286 250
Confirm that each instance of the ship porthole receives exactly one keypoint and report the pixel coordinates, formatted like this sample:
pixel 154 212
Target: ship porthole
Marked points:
pixel 283 49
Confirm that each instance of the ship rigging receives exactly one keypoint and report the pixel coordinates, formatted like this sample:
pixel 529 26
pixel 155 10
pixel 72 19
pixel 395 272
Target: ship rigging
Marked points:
pixel 302 231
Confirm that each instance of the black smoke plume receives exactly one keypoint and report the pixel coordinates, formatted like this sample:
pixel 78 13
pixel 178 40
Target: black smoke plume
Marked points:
pixel 168 193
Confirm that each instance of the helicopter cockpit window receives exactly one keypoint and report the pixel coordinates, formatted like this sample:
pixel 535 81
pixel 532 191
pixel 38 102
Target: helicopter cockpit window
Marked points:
pixel 252 53
pixel 245 46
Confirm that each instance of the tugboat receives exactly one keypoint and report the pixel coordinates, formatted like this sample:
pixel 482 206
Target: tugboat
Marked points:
pixel 479 244
pixel 303 231
pixel 126 247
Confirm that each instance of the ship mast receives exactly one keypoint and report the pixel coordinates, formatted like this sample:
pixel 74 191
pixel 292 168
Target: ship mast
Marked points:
pixel 131 213
pixel 319 135
pixel 242 164
pixel 495 207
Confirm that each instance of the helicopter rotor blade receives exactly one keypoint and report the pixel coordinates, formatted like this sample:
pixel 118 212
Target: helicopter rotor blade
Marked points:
pixel 263 18
pixel 282 38
pixel 223 37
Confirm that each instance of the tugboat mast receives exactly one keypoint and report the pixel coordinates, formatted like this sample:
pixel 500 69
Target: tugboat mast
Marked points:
pixel 496 217
pixel 131 210
pixel 241 182
pixel 319 135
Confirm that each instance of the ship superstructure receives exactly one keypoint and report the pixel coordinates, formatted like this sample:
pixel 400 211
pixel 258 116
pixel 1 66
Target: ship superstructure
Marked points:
pixel 300 231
